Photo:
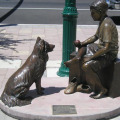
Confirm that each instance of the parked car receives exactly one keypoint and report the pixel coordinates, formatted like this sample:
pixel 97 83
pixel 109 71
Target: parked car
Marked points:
pixel 113 4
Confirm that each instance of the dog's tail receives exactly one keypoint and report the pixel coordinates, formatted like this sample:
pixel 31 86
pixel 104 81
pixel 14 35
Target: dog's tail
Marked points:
pixel 12 101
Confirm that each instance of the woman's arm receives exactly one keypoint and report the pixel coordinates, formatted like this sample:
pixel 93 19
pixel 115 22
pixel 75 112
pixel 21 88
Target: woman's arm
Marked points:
pixel 107 35
pixel 79 44
pixel 89 40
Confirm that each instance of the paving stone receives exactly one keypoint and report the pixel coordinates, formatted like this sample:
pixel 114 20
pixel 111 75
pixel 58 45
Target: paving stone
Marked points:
pixel 2 115
pixel 10 72
pixel 10 63
pixel 22 52
pixel 1 80
pixel 3 71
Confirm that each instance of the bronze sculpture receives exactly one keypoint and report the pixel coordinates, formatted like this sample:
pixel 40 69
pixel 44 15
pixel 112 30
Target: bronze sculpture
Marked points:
pixel 31 71
pixel 93 57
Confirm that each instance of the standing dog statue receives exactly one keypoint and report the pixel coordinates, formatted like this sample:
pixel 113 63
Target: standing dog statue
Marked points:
pixel 31 71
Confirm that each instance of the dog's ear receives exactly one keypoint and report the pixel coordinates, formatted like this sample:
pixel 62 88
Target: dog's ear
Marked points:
pixel 46 47
pixel 42 45
pixel 38 39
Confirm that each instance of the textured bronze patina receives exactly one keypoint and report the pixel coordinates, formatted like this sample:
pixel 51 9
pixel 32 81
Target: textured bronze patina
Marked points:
pixel 93 57
pixel 31 71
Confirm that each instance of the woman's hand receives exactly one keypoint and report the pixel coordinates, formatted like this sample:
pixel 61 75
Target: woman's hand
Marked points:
pixel 77 43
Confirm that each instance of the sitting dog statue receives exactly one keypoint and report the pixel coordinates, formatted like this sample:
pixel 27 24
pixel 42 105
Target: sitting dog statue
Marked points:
pixel 31 71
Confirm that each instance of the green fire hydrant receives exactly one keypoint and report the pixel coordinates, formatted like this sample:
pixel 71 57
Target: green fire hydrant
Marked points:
pixel 69 34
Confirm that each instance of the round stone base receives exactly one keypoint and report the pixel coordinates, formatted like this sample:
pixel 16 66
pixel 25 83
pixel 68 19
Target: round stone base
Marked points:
pixel 41 107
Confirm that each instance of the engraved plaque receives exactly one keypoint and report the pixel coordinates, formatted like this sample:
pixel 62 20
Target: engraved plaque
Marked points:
pixel 64 109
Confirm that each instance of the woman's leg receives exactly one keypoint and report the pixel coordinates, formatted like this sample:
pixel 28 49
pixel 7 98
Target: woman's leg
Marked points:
pixel 93 80
pixel 80 54
pixel 75 71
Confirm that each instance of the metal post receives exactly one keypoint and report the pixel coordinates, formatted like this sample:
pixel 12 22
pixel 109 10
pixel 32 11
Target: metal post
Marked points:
pixel 69 34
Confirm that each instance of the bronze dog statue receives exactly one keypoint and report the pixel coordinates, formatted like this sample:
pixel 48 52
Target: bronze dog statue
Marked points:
pixel 31 71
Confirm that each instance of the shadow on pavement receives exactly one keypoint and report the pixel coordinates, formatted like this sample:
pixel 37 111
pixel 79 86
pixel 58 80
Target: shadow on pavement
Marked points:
pixel 53 90
pixel 6 25
pixel 11 11
pixel 7 43
pixel 47 91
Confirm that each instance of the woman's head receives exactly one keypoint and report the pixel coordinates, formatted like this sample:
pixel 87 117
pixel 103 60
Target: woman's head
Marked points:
pixel 98 8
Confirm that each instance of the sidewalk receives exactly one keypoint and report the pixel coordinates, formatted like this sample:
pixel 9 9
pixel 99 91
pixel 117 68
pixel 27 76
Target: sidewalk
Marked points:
pixel 17 41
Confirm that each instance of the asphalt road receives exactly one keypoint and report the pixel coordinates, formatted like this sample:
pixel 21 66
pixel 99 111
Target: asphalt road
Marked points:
pixel 44 12
pixel 43 3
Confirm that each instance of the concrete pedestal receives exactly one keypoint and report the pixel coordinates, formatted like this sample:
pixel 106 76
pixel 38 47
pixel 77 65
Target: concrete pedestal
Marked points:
pixel 41 107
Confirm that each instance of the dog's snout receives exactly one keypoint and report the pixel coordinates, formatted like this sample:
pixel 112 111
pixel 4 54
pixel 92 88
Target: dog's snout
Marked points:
pixel 53 46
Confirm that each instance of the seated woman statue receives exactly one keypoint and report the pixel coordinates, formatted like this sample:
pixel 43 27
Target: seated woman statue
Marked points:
pixel 96 56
